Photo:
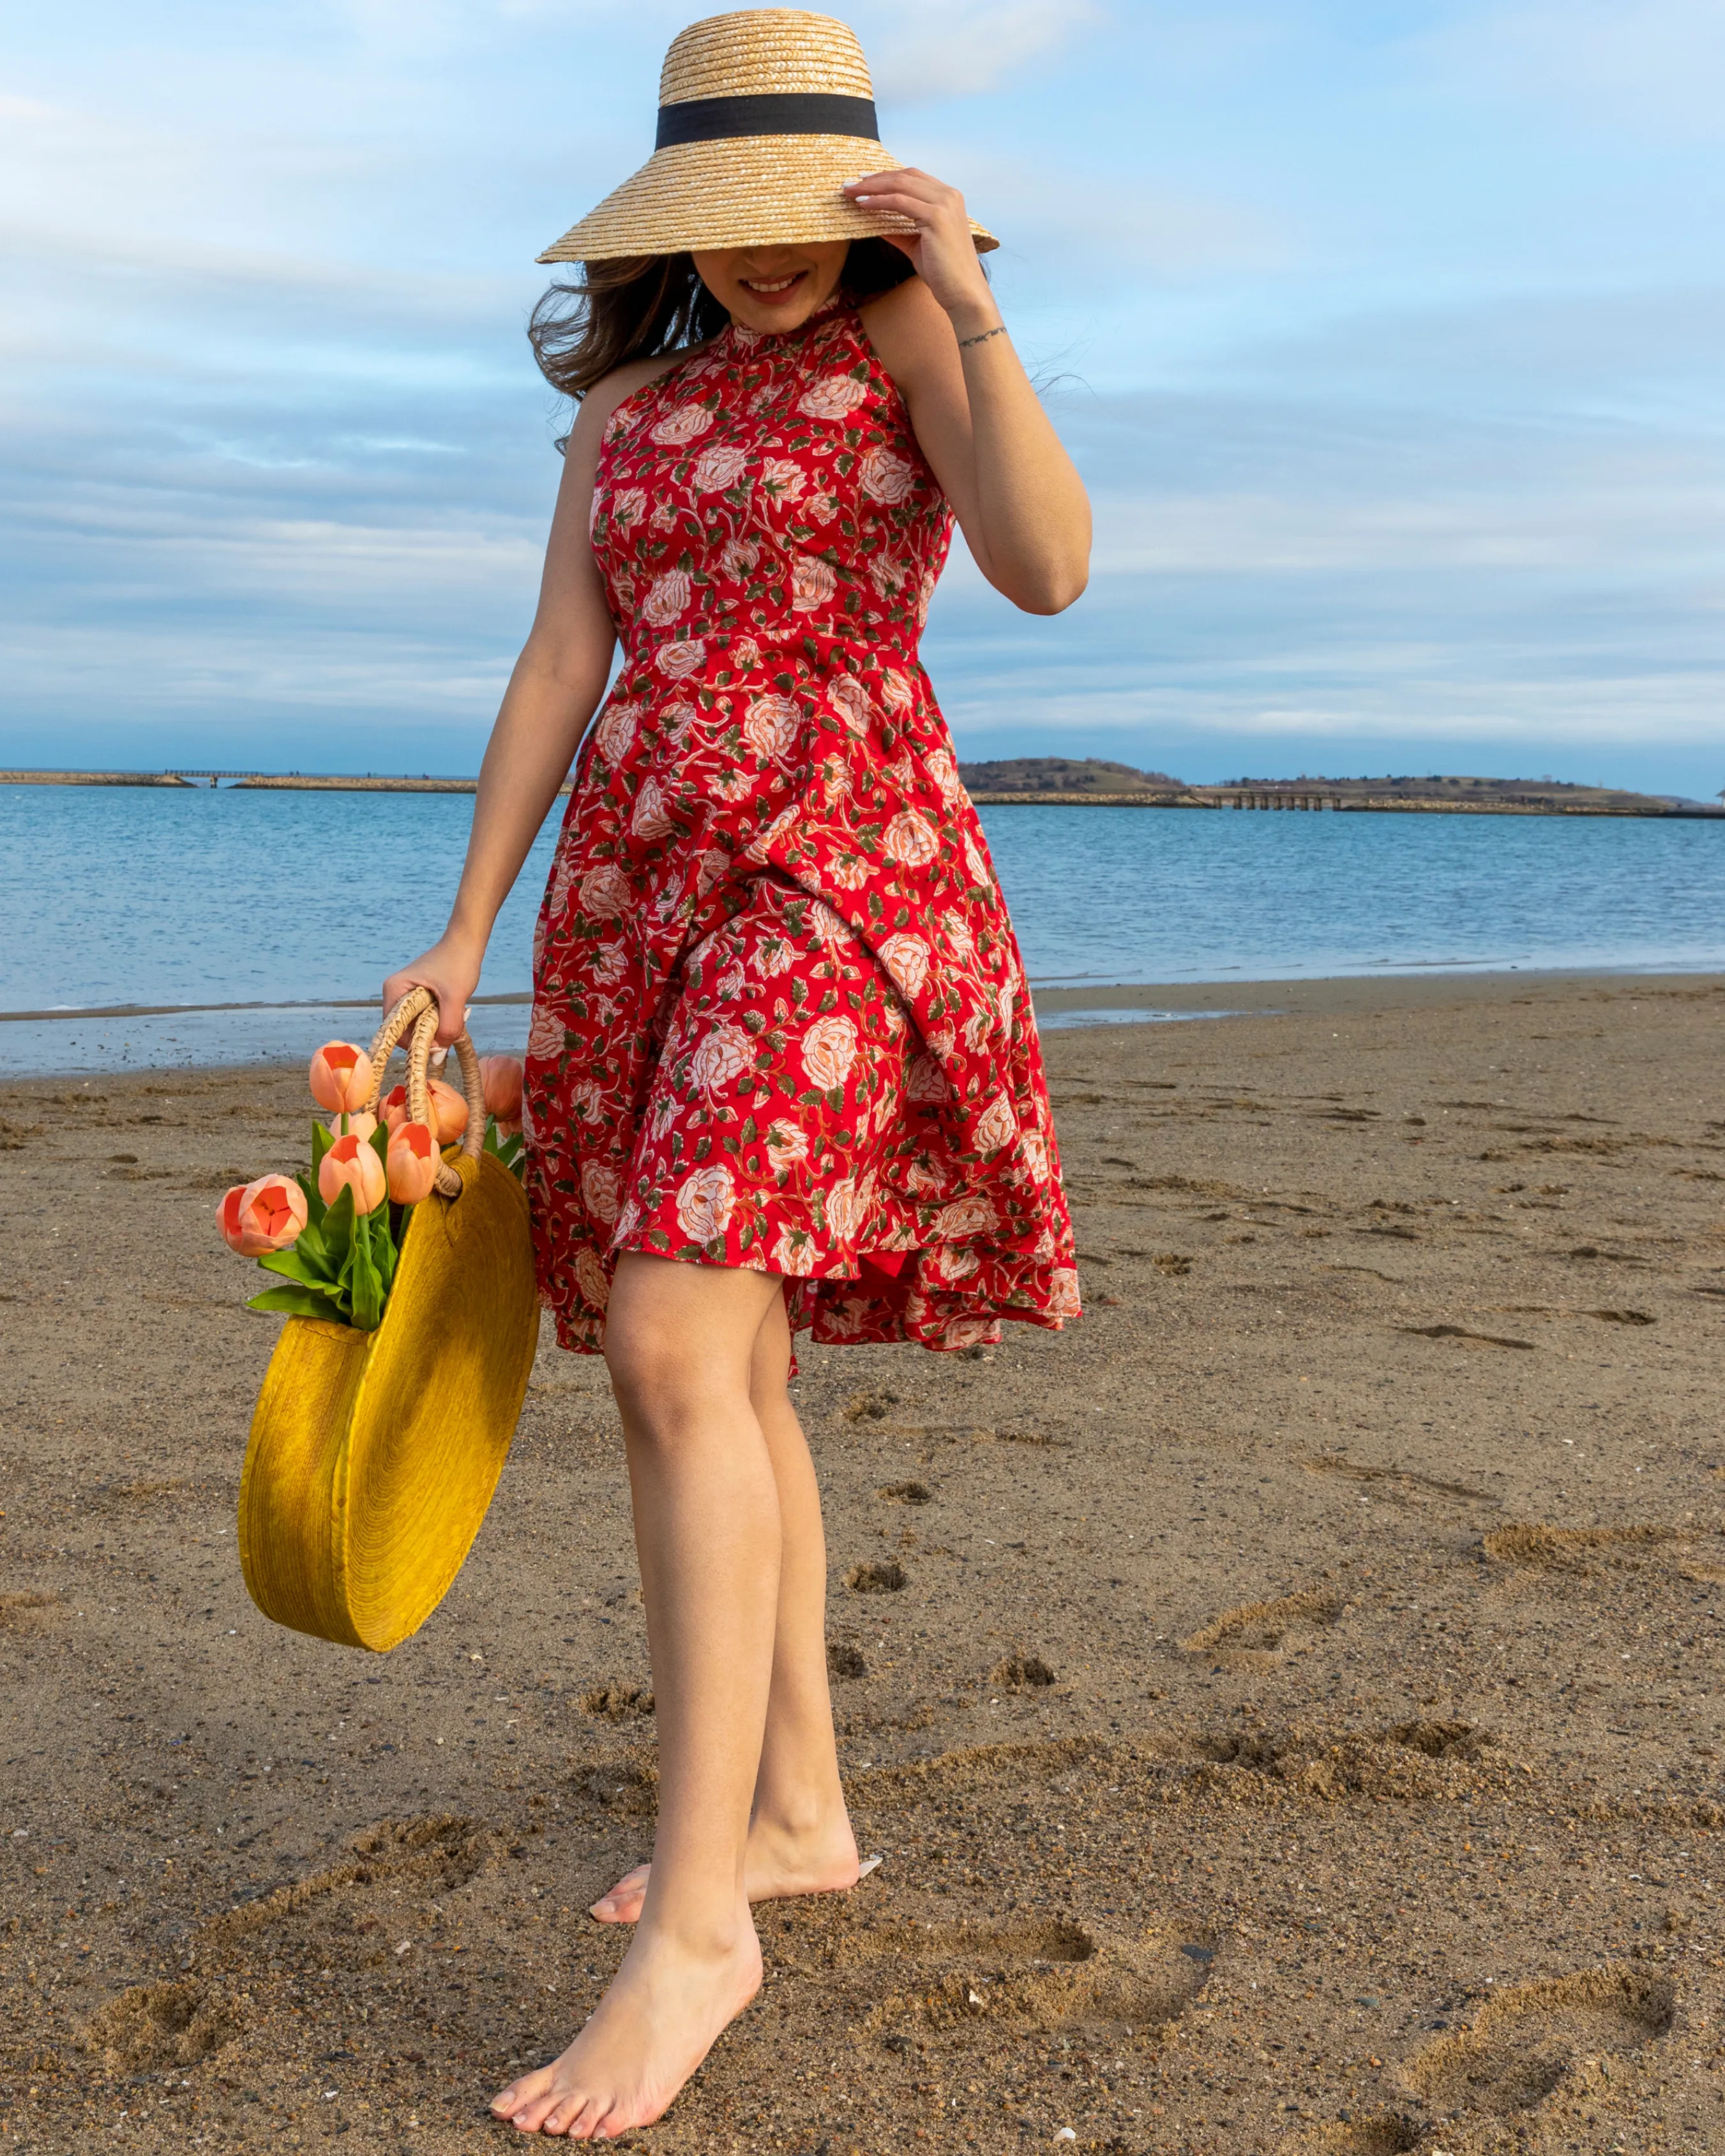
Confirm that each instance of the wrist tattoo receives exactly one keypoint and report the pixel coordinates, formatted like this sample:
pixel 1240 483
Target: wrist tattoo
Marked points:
pixel 999 330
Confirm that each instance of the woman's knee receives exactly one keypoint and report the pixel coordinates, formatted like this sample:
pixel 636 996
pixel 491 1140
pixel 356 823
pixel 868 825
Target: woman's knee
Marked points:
pixel 667 1379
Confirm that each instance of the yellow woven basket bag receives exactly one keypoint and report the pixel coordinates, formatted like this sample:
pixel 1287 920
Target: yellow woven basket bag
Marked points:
pixel 374 1455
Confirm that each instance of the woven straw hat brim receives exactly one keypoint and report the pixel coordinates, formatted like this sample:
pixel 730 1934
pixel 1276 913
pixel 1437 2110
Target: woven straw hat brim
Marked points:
pixel 746 191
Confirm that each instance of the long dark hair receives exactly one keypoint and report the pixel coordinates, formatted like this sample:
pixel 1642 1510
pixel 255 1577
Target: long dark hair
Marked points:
pixel 644 307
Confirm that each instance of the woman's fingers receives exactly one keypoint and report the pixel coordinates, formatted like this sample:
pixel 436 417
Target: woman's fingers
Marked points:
pixel 451 1000
pixel 905 187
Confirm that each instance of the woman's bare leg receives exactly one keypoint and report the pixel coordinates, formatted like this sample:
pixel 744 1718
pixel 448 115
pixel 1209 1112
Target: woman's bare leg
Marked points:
pixel 800 1840
pixel 681 1342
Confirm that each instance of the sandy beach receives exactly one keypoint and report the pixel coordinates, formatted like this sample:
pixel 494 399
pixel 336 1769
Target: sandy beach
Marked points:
pixel 1295 1724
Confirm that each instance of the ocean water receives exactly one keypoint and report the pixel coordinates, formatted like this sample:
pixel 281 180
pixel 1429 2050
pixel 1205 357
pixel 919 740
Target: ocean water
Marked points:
pixel 157 897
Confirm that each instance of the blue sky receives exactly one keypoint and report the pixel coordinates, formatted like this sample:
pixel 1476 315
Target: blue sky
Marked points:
pixel 1391 337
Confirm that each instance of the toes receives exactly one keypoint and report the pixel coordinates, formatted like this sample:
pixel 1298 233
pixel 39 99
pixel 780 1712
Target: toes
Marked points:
pixel 507 2102
pixel 575 2117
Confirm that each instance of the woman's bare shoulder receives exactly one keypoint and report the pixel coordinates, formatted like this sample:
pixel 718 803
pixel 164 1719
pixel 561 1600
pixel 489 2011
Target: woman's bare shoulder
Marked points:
pixel 910 332
pixel 622 383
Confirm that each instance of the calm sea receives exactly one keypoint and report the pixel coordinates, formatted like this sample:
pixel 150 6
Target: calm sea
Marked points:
pixel 135 896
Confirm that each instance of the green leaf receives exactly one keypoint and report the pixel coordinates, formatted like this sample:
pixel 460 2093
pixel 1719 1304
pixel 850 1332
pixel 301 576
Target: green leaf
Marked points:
pixel 367 1284
pixel 313 1253
pixel 292 1266
pixel 384 1248
pixel 322 1138
pixel 296 1302
pixel 337 1233
pixel 315 1207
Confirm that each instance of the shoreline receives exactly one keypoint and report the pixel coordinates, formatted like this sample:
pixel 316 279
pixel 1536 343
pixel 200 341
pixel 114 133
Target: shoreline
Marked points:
pixel 1062 1008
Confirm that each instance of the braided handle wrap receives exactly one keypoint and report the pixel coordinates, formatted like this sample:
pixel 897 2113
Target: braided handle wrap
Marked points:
pixel 418 1009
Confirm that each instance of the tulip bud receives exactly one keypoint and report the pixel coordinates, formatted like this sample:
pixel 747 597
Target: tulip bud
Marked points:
pixel 449 1111
pixel 341 1077
pixel 353 1163
pixel 413 1163
pixel 393 1106
pixel 360 1124
pixel 265 1215
pixel 500 1075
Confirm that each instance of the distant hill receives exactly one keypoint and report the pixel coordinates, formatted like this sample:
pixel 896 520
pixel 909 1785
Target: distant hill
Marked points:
pixel 1062 774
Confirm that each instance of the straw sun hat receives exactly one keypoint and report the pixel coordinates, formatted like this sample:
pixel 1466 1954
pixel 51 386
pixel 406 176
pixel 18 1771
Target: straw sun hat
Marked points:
pixel 763 116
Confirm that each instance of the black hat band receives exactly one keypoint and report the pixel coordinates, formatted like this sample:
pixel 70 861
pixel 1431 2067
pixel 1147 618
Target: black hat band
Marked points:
pixel 794 112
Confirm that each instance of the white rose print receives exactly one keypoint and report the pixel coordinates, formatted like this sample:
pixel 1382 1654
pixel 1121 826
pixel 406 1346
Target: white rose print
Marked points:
pixel 907 959
pixel 828 1051
pixel 686 424
pixel 720 1056
pixel 997 1126
pixel 850 700
pixel 793 1253
pixel 720 467
pixel 650 820
pixel 813 583
pixel 667 598
pixel 770 725
pixel 601 1187
pixel 886 477
pixel 835 397
pixel 604 891
pixel 705 1202
pixel 679 660
pixel 615 731
pixel 911 838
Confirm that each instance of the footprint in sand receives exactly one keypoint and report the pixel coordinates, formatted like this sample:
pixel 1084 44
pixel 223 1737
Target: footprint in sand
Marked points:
pixel 1041 1974
pixel 29 1612
pixel 1522 2041
pixel 1257 1633
pixel 161 2024
pixel 877 1577
pixel 617 1703
pixel 906 1493
pixel 1398 1480
pixel 1570 1548
pixel 1383 2134
pixel 1021 1673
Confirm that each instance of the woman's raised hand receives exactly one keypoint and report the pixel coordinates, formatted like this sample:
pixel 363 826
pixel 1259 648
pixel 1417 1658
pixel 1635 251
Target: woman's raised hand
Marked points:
pixel 451 973
pixel 942 248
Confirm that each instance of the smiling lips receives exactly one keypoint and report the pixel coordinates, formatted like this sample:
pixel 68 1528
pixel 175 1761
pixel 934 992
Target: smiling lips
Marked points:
pixel 772 288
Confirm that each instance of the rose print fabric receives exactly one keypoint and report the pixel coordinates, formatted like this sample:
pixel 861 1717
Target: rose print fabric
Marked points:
pixel 780 1019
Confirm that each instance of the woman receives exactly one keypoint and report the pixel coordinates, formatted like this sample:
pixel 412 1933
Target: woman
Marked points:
pixel 783 1071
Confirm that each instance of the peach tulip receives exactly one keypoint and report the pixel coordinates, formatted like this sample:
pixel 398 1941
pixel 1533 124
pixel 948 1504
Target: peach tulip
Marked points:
pixel 449 1111
pixel 261 1216
pixel 413 1163
pixel 500 1075
pixel 351 1163
pixel 393 1106
pixel 357 1125
pixel 341 1077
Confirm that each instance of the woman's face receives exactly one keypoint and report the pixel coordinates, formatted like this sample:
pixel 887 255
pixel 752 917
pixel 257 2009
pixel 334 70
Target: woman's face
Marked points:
pixel 773 288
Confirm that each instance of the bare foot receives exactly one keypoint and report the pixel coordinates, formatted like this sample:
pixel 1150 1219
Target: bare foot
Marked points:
pixel 778 1866
pixel 654 2026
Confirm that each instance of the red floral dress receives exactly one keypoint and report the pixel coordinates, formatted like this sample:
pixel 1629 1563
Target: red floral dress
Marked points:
pixel 780 1019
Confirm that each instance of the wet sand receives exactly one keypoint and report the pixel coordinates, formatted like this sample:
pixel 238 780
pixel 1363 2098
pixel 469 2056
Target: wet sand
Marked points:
pixel 1298 1727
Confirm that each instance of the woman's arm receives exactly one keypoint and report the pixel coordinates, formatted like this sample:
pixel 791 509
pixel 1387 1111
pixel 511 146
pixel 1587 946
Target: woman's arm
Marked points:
pixel 553 692
pixel 1019 503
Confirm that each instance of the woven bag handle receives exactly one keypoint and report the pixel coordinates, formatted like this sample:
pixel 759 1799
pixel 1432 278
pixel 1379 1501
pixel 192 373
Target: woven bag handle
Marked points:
pixel 418 1009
